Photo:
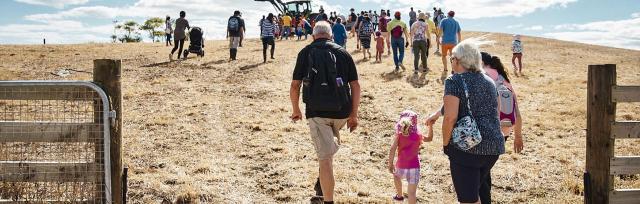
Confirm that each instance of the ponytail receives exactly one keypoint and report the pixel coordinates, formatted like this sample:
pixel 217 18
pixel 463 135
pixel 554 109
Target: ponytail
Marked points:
pixel 497 64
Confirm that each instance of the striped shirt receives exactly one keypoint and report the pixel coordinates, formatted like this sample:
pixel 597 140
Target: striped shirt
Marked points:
pixel 267 29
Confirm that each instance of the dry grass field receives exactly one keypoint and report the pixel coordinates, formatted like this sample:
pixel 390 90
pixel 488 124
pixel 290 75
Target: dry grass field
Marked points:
pixel 218 132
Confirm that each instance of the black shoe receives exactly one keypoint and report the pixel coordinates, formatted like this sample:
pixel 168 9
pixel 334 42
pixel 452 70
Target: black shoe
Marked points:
pixel 234 53
pixel 318 188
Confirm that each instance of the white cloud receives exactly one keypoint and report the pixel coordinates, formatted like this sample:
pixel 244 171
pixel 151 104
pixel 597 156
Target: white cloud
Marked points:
pixel 635 15
pixel 620 33
pixel 516 26
pixel 211 15
pixel 63 31
pixel 534 28
pixel 53 3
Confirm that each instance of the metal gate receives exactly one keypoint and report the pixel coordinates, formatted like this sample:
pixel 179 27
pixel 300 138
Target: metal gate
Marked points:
pixel 54 142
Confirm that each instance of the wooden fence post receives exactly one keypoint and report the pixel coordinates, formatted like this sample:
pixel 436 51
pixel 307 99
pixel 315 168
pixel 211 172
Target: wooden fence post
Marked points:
pixel 106 73
pixel 600 115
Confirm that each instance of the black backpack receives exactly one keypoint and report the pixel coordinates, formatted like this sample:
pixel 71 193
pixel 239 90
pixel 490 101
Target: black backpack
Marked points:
pixel 323 89
pixel 234 24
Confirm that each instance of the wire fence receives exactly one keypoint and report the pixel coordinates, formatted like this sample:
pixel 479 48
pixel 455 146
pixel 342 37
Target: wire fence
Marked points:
pixel 52 142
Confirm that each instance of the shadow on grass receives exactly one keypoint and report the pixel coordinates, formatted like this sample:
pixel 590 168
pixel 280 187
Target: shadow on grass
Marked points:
pixel 251 66
pixel 391 76
pixel 418 80
pixel 158 64
pixel 361 60
pixel 222 61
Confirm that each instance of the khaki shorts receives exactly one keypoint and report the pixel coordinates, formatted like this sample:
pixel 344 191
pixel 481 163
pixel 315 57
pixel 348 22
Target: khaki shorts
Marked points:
pixel 323 131
pixel 234 42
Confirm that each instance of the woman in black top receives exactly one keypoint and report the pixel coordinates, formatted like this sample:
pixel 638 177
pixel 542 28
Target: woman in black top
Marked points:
pixel 469 92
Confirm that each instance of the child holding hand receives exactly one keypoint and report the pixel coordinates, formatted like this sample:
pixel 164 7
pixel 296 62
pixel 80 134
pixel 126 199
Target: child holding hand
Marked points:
pixel 406 143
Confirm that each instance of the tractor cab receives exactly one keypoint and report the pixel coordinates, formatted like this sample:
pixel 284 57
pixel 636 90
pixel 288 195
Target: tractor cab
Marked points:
pixel 298 8
pixel 294 8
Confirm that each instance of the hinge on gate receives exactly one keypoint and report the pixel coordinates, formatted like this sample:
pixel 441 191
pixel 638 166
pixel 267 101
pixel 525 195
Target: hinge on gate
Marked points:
pixel 112 114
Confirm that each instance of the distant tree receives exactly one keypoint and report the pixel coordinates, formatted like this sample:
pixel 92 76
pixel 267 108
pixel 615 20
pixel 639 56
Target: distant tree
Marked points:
pixel 114 38
pixel 152 26
pixel 130 27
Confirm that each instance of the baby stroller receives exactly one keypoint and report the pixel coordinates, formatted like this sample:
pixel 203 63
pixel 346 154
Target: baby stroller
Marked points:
pixel 196 42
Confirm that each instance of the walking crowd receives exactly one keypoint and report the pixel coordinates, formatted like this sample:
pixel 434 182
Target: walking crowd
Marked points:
pixel 479 107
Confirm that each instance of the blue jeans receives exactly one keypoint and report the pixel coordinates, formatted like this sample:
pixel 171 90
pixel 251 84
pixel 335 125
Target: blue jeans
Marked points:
pixel 397 45
pixel 286 31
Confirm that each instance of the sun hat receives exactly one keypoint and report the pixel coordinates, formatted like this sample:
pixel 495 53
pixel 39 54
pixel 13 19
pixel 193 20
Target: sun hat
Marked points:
pixel 422 16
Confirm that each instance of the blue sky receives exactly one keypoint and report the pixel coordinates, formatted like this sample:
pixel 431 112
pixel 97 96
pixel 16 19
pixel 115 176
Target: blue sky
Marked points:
pixel 609 23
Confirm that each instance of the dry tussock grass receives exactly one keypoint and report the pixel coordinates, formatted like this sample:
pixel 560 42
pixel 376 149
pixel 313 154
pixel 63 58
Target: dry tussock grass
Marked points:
pixel 212 131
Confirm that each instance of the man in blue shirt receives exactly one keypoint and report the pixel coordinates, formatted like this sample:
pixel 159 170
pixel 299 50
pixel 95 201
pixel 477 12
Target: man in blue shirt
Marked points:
pixel 340 33
pixel 450 36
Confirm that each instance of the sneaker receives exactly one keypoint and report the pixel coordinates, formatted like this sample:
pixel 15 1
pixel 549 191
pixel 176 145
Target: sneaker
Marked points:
pixel 397 69
pixel 403 68
pixel 397 198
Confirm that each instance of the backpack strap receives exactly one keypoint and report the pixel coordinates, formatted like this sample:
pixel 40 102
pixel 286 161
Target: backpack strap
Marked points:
pixel 310 66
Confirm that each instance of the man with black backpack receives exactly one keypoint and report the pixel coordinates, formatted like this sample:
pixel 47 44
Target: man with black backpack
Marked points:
pixel 235 31
pixel 331 94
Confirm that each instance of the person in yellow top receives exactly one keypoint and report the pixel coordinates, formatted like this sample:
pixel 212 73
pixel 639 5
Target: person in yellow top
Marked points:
pixel 286 24
pixel 397 28
pixel 432 25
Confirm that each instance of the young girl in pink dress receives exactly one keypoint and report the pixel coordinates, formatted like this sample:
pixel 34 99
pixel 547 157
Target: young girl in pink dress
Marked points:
pixel 406 143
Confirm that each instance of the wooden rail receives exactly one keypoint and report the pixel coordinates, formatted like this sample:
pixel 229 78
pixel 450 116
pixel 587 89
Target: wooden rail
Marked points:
pixel 626 130
pixel 602 131
pixel 625 165
pixel 48 172
pixel 625 196
pixel 49 132
pixel 73 93
pixel 626 94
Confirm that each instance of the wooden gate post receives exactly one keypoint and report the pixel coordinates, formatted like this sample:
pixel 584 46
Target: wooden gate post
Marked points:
pixel 106 73
pixel 601 112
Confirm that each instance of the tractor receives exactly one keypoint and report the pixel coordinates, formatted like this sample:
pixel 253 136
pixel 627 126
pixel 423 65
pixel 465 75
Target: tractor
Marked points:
pixel 294 8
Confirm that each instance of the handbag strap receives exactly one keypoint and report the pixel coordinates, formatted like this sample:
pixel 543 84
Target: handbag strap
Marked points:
pixel 466 94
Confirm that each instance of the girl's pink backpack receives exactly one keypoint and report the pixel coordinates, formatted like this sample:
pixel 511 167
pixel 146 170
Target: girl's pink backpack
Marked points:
pixel 506 98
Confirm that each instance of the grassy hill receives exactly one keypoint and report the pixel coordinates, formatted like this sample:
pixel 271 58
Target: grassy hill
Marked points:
pixel 219 131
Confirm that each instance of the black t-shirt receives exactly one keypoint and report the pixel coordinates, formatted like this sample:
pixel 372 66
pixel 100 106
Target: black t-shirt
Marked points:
pixel 353 17
pixel 346 69
pixel 237 33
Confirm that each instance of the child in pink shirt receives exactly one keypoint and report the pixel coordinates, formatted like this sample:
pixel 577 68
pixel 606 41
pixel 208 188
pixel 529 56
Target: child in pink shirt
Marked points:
pixel 407 143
